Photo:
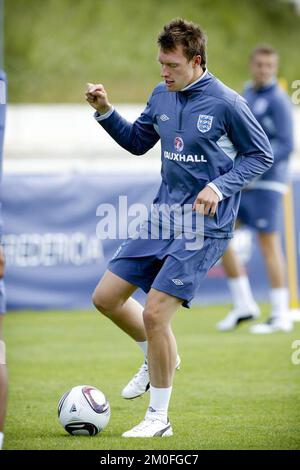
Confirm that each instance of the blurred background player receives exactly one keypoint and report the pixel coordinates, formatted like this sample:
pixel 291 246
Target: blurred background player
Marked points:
pixel 261 202
pixel 3 372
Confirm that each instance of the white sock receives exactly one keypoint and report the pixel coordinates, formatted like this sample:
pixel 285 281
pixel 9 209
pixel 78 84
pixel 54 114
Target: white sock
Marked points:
pixel 159 401
pixel 144 347
pixel 279 302
pixel 241 293
pixel 1 439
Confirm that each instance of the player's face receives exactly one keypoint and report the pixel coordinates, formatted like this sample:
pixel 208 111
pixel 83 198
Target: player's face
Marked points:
pixel 263 68
pixel 176 70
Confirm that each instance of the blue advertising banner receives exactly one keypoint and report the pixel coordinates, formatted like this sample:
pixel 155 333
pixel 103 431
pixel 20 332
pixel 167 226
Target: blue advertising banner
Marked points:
pixel 57 238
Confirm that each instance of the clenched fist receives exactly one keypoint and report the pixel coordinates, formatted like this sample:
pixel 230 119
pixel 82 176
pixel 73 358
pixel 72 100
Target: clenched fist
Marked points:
pixel 96 96
pixel 206 202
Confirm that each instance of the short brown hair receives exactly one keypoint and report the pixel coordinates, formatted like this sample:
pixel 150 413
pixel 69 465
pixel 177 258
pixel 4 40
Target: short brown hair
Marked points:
pixel 184 33
pixel 263 49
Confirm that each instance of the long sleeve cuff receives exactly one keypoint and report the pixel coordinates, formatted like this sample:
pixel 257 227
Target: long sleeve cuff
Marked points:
pixel 216 190
pixel 100 117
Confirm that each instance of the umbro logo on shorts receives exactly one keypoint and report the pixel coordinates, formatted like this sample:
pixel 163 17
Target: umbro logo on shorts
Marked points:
pixel 177 282
pixel 164 117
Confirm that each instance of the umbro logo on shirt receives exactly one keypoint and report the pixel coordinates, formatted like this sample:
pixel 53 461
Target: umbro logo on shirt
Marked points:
pixel 164 117
pixel 177 282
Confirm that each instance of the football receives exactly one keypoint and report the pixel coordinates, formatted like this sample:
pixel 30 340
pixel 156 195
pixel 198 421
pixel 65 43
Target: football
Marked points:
pixel 83 410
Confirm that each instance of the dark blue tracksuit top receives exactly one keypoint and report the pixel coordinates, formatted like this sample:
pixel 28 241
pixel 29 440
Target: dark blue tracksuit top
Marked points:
pixel 272 107
pixel 208 136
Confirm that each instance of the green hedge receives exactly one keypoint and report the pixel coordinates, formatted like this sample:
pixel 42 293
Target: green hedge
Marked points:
pixel 53 47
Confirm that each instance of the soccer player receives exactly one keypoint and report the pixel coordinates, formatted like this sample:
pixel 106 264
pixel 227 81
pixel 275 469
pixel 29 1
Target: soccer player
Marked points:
pixel 203 125
pixel 3 372
pixel 261 201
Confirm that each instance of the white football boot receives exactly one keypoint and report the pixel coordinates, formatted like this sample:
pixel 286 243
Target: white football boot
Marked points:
pixel 140 383
pixel 236 317
pixel 272 325
pixel 153 425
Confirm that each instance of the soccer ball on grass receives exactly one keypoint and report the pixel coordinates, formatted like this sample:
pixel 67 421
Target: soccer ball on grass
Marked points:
pixel 83 410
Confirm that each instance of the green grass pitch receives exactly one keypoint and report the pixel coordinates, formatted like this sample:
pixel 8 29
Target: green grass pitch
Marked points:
pixel 233 391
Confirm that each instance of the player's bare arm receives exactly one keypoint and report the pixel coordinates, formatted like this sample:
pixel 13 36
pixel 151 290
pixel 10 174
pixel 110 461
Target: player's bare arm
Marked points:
pixel 96 96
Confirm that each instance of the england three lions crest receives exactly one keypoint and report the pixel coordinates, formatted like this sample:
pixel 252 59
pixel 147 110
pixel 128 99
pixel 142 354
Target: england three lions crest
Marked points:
pixel 204 122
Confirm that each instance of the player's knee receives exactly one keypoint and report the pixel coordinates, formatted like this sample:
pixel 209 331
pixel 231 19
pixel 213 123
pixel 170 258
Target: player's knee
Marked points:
pixel 268 253
pixel 103 302
pixel 100 302
pixel 270 246
pixel 152 316
pixel 2 353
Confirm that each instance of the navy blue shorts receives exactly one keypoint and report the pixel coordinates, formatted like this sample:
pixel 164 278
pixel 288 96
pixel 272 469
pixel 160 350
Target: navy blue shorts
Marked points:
pixel 2 297
pixel 166 265
pixel 261 209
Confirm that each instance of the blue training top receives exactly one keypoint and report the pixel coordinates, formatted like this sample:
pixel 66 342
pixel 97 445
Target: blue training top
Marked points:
pixel 273 109
pixel 208 136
